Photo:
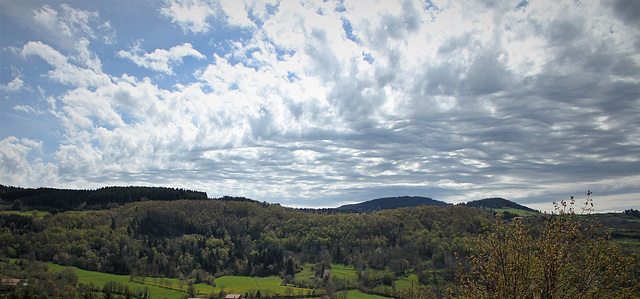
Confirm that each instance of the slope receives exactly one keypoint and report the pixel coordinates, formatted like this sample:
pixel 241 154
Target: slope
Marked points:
pixel 498 203
pixel 388 203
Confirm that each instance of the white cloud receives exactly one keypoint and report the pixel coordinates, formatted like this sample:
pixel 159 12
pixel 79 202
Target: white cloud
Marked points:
pixel 86 57
pixel 63 71
pixel 19 169
pixel 64 27
pixel 236 13
pixel 160 60
pixel 24 108
pixel 48 17
pixel 13 86
pixel 195 15
pixel 189 14
pixel 455 101
pixel 108 33
pixel 70 30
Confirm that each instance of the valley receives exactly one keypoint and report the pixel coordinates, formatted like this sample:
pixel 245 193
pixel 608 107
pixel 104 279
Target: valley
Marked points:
pixel 161 248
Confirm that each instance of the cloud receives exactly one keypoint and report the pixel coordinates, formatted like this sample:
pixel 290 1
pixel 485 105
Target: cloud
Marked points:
pixel 189 14
pixel 24 108
pixel 454 100
pixel 160 60
pixel 63 71
pixel 13 86
pixel 64 26
pixel 19 168
pixel 48 17
pixel 628 11
pixel 197 16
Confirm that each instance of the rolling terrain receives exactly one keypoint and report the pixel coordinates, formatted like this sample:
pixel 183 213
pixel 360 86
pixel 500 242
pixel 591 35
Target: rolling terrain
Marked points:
pixel 179 246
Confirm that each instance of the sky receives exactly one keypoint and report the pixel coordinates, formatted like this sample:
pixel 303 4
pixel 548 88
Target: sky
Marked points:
pixel 321 103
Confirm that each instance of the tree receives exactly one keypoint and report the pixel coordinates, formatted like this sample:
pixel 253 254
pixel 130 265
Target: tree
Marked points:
pixel 569 259
pixel 17 205
pixel 415 290
pixel 191 290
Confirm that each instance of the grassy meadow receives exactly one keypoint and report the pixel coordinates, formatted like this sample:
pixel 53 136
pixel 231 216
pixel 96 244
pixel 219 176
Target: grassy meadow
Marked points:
pixel 99 279
pixel 172 288
pixel 168 287
pixel 357 294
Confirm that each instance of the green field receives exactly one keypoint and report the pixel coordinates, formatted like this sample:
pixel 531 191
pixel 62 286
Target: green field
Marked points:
pixel 306 273
pixel 402 282
pixel 337 270
pixel 229 284
pixel 99 279
pixel 242 284
pixel 344 272
pixel 357 294
pixel 28 213
pixel 40 213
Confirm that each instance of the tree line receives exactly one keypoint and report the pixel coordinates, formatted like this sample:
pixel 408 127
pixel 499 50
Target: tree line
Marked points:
pixel 51 199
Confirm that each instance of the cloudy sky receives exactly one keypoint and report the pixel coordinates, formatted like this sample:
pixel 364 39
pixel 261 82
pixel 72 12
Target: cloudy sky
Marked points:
pixel 320 103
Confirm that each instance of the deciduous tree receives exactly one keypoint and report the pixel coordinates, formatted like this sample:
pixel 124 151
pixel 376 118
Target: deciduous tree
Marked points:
pixel 569 259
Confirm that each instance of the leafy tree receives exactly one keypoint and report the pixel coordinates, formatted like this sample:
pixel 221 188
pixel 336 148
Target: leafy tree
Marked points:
pixel 191 290
pixel 17 205
pixel 415 290
pixel 569 258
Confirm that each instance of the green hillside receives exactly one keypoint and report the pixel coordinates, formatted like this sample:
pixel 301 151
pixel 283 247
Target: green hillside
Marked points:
pixel 499 204
pixel 243 246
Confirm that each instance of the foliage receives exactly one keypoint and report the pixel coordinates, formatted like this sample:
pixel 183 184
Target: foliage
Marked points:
pixel 415 290
pixel 201 239
pixel 498 203
pixel 51 199
pixel 212 244
pixel 569 258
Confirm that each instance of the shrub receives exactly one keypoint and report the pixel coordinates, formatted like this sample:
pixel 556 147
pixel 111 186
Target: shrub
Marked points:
pixel 569 259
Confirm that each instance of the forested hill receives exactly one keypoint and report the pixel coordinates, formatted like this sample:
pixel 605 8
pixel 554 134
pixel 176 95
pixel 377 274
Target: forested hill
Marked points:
pixel 392 203
pixel 497 203
pixel 227 237
pixel 51 199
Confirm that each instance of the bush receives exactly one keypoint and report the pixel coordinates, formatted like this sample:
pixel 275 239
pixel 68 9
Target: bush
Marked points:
pixel 569 259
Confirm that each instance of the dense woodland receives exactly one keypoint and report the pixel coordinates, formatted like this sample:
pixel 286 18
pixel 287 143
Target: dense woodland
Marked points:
pixel 50 199
pixel 242 238
pixel 497 203
pixel 199 240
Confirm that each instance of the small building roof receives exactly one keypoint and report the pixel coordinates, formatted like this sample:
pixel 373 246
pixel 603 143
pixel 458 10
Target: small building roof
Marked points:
pixel 12 282
pixel 233 296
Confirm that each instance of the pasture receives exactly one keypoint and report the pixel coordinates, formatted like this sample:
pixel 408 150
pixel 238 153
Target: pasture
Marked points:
pixel 99 279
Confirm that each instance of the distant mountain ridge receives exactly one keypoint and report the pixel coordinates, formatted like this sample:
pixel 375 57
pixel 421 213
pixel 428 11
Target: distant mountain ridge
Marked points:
pixel 387 203
pixel 498 203
pixel 51 199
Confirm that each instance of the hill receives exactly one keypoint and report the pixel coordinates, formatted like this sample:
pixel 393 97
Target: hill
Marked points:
pixel 498 203
pixel 388 203
pixel 51 199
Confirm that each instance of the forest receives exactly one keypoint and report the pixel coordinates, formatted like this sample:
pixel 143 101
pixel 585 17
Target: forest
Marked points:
pixel 198 240
pixel 54 200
